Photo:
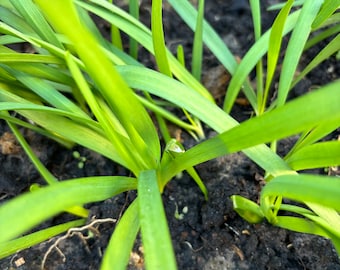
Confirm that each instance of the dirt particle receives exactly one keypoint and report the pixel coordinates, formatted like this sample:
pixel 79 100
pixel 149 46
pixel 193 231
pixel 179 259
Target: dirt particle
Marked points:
pixel 9 144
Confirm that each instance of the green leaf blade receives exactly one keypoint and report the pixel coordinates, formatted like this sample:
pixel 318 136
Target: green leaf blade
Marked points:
pixel 295 47
pixel 305 188
pixel 196 63
pixel 317 155
pixel 276 124
pixel 158 38
pixel 51 200
pixel 114 89
pixel 275 42
pixel 119 248
pixel 155 232
pixel 10 247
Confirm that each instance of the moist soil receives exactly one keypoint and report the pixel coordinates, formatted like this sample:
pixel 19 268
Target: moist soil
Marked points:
pixel 206 234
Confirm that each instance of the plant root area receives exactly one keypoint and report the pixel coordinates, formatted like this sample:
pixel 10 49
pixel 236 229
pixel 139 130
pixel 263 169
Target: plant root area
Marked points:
pixel 206 235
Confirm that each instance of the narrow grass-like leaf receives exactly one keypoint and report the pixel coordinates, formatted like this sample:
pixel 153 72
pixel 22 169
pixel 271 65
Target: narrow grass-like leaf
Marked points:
pixel 271 126
pixel 305 188
pixel 319 155
pixel 12 246
pixel 46 174
pixel 327 217
pixel 7 29
pixel 310 189
pixel 34 128
pixel 188 99
pixel 196 64
pixel 29 58
pixel 250 59
pixel 116 38
pixel 300 225
pixel 180 55
pixel 328 32
pixel 213 41
pixel 327 9
pixel 32 14
pixel 143 35
pixel 315 134
pixel 158 38
pixel 6 39
pixel 155 232
pixel 14 20
pixel 67 129
pixel 70 130
pixel 331 48
pixel 106 120
pixel 92 27
pixel 51 200
pixel 36 65
pixel 192 172
pixel 185 97
pixel 161 54
pixel 45 91
pixel 119 57
pixel 167 115
pixel 275 41
pixel 119 248
pixel 256 16
pixel 281 5
pixel 119 96
pixel 295 47
pixel 133 44
pixel 27 106
pixel 45 72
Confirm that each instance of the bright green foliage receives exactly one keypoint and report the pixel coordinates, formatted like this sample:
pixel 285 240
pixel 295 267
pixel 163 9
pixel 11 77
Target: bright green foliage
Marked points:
pixel 274 47
pixel 317 155
pixel 295 47
pixel 158 38
pixel 116 93
pixel 121 243
pixel 57 198
pixel 10 247
pixel 197 52
pixel 79 88
pixel 154 229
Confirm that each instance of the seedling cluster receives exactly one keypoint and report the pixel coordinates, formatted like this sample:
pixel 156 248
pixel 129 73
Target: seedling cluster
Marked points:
pixel 79 88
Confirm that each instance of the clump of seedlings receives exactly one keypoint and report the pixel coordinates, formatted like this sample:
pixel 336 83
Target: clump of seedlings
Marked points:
pixel 79 88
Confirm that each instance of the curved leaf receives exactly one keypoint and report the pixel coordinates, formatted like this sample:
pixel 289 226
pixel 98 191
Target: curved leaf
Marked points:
pixel 295 47
pixel 191 101
pixel 119 248
pixel 132 115
pixel 247 209
pixel 44 203
pixel 143 35
pixel 250 59
pixel 13 246
pixel 319 155
pixel 276 124
pixel 324 190
pixel 331 48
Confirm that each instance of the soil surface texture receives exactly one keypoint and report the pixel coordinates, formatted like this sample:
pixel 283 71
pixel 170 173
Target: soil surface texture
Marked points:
pixel 206 235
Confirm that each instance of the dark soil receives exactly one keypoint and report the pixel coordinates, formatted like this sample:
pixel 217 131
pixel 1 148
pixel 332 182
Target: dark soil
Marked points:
pixel 210 235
